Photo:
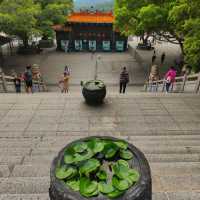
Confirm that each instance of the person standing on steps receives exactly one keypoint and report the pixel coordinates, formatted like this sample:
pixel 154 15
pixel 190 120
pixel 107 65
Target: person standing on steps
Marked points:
pixel 17 82
pixel 28 79
pixel 170 78
pixel 124 80
pixel 163 58
pixel 64 83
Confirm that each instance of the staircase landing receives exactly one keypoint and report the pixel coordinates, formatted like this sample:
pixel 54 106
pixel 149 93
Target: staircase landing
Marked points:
pixel 33 128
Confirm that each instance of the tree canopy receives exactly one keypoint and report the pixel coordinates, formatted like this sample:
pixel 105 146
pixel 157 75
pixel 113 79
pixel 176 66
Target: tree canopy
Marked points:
pixel 26 18
pixel 175 21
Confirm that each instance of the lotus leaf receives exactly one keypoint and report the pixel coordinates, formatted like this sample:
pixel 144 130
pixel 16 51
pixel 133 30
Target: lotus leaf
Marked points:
pixel 134 175
pixel 123 162
pixel 120 184
pixel 105 188
pixel 84 156
pixel 73 184
pixel 110 149
pixel 96 145
pixel 126 154
pixel 89 166
pixel 64 172
pixel 80 147
pixel 120 170
pixel 102 175
pixel 88 188
pixel 116 193
pixel 68 159
pixel 122 144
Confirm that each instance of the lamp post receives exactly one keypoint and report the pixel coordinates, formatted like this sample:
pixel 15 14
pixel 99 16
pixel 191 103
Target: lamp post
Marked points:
pixel 96 67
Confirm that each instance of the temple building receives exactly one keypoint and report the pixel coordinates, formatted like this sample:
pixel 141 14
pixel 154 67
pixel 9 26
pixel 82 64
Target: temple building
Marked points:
pixel 89 31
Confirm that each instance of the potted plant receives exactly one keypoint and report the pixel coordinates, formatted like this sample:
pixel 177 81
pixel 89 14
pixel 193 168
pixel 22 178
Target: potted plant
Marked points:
pixel 94 91
pixel 100 168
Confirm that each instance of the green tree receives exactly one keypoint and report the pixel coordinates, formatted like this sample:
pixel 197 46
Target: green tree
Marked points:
pixel 166 20
pixel 53 12
pixel 19 17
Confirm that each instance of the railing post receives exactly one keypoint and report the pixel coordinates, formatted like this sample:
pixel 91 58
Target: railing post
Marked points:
pixel 157 86
pixel 4 84
pixel 146 86
pixel 163 87
pixel 184 82
pixel 197 87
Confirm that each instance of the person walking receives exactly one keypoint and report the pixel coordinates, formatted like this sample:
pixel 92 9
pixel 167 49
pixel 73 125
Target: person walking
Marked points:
pixel 163 58
pixel 124 80
pixel 170 78
pixel 17 82
pixel 28 78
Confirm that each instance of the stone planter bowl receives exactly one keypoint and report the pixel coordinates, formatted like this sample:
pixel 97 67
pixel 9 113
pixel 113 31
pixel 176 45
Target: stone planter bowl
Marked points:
pixel 141 191
pixel 94 91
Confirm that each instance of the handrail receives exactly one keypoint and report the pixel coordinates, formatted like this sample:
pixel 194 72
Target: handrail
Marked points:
pixel 9 80
pixel 181 79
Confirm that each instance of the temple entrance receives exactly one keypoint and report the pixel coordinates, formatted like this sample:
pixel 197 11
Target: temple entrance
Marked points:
pixel 92 45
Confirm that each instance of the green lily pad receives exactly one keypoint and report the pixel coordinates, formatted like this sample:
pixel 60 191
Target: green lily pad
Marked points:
pixel 110 149
pixel 64 172
pixel 89 166
pixel 84 156
pixel 120 184
pixel 116 193
pixel 105 188
pixel 80 147
pixel 68 159
pixel 102 175
pixel 74 184
pixel 134 175
pixel 120 170
pixel 96 145
pixel 88 188
pixel 122 144
pixel 123 162
pixel 126 154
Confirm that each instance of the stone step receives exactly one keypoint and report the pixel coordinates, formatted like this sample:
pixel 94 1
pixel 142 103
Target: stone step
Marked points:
pixel 47 159
pixel 158 169
pixel 147 149
pixel 156 196
pixel 61 142
pixel 24 185
pixel 35 185
pixel 24 197
pixel 18 143
pixel 10 160
pixel 175 169
pixel 14 151
pixel 4 171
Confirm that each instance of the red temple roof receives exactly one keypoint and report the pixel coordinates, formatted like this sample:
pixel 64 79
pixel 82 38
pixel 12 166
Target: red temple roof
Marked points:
pixel 91 17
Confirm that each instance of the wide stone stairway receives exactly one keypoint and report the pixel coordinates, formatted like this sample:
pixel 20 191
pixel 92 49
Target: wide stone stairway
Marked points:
pixel 33 128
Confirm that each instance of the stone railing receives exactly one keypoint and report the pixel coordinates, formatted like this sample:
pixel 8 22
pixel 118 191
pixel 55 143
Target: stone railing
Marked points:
pixel 190 83
pixel 7 83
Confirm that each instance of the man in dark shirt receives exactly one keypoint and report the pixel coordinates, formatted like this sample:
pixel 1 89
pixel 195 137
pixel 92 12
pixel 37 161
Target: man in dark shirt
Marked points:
pixel 124 80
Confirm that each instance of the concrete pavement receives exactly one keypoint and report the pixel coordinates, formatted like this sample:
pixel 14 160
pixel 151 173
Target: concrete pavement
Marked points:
pixel 33 128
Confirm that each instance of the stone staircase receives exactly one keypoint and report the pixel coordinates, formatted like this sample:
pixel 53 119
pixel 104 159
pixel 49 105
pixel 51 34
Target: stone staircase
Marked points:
pixel 33 128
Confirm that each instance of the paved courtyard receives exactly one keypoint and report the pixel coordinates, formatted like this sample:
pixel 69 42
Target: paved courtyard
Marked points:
pixel 33 128
pixel 82 66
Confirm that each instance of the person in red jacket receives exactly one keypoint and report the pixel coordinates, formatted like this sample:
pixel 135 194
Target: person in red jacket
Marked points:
pixel 170 77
